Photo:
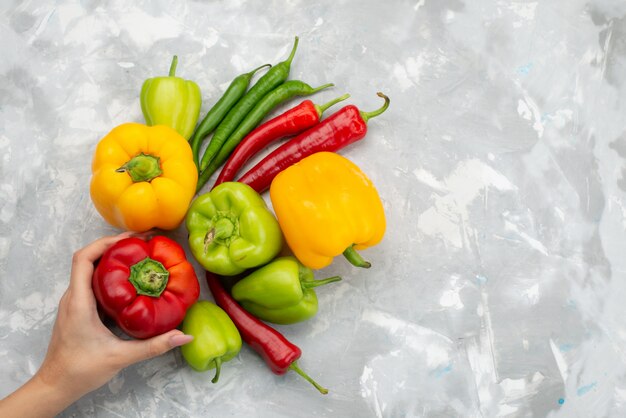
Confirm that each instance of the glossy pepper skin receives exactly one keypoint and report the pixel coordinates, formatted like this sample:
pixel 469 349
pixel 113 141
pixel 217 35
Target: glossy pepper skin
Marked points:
pixel 280 354
pixel 291 122
pixel 215 337
pixel 342 128
pixel 146 287
pixel 171 101
pixel 272 99
pixel 280 292
pixel 270 80
pixel 233 93
pixel 327 206
pixel 143 177
pixel 231 230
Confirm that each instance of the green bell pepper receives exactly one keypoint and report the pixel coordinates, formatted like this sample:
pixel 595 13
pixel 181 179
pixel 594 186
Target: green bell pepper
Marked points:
pixel 216 339
pixel 231 230
pixel 171 101
pixel 280 292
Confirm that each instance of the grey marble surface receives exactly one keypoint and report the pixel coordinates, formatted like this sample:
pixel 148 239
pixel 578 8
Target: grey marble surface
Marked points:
pixel 500 287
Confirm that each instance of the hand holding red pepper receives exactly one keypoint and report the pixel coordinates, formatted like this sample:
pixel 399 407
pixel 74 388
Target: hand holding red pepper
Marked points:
pixel 146 287
pixel 83 354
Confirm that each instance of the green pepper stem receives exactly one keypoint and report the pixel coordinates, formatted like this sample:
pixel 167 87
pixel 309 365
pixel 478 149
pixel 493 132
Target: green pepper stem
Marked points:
pixel 218 366
pixel 149 277
pixel 294 366
pixel 322 108
pixel 173 66
pixel 223 228
pixel 355 258
pixel 322 87
pixel 293 52
pixel 251 73
pixel 316 283
pixel 368 115
pixel 142 167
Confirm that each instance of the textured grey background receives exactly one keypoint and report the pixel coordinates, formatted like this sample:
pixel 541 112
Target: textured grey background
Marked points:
pixel 499 288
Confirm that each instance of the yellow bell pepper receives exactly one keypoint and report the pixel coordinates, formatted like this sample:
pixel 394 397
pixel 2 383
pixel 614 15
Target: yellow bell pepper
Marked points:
pixel 143 177
pixel 327 206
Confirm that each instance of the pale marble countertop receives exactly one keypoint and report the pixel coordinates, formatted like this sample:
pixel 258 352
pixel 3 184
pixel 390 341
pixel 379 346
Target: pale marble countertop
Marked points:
pixel 500 287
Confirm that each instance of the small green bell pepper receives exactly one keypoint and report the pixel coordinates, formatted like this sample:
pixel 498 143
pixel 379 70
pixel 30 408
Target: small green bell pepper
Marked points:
pixel 216 339
pixel 280 292
pixel 171 101
pixel 231 230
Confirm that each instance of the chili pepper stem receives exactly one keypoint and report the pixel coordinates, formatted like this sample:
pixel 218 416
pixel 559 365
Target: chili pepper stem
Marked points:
pixel 368 115
pixel 293 51
pixel 322 108
pixel 316 283
pixel 322 87
pixel 173 66
pixel 355 258
pixel 258 68
pixel 218 366
pixel 294 366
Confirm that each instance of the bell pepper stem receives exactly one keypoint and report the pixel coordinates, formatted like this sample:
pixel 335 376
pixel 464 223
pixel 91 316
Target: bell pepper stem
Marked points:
pixel 142 167
pixel 322 108
pixel 294 366
pixel 369 115
pixel 316 283
pixel 218 366
pixel 173 66
pixel 355 258
pixel 208 239
pixel 223 229
pixel 149 277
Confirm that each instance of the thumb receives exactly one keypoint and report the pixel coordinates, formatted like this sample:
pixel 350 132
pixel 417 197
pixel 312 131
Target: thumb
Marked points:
pixel 140 350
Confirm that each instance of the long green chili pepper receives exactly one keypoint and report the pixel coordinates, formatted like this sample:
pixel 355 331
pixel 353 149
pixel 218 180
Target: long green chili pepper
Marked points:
pixel 274 77
pixel 234 92
pixel 272 99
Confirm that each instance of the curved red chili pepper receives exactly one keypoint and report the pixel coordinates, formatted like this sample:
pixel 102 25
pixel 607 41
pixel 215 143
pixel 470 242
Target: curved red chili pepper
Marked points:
pixel 342 128
pixel 279 354
pixel 291 122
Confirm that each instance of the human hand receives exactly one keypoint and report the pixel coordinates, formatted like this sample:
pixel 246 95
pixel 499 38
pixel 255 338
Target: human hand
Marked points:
pixel 83 354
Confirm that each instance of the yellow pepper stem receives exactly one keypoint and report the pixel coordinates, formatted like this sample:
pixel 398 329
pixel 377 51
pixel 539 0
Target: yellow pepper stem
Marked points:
pixel 355 258
pixel 142 167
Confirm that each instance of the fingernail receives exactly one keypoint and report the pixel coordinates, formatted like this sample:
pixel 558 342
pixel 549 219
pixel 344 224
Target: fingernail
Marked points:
pixel 180 339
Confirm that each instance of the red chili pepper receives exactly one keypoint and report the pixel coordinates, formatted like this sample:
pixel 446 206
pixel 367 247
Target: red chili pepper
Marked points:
pixel 289 123
pixel 279 354
pixel 342 128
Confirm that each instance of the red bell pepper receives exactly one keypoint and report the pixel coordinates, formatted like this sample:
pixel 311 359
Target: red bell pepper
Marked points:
pixel 145 286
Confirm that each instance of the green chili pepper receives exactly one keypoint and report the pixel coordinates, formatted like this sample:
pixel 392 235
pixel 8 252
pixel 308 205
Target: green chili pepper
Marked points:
pixel 272 99
pixel 171 101
pixel 231 230
pixel 280 292
pixel 274 77
pixel 233 93
pixel 216 339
